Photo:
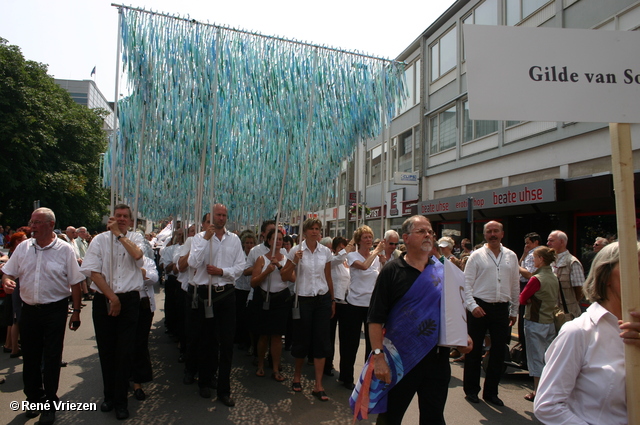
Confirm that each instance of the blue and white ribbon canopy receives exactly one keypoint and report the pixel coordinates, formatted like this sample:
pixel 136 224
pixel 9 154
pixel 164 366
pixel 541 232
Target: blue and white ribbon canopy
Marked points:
pixel 182 73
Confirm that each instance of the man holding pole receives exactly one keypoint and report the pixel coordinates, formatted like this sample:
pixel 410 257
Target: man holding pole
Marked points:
pixel 113 262
pixel 219 260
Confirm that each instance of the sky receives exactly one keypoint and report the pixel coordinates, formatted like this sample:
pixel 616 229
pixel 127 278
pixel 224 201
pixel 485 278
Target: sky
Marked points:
pixel 74 36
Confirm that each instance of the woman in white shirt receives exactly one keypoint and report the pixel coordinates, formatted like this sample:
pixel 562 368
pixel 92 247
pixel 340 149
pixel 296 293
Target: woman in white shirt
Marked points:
pixel 274 300
pixel 583 381
pixel 364 268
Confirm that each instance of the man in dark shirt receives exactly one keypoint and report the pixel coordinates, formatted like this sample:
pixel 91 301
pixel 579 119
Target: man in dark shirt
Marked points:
pixel 430 377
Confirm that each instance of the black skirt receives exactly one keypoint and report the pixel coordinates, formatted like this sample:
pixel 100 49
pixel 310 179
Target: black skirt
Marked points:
pixel 274 320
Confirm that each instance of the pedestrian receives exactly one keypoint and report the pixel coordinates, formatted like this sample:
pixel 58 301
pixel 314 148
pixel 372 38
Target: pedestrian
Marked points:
pixel 47 273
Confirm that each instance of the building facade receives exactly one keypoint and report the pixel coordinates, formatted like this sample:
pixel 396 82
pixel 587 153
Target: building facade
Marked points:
pixel 531 176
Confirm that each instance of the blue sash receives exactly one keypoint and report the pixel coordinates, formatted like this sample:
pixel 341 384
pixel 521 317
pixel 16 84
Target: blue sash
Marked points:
pixel 411 332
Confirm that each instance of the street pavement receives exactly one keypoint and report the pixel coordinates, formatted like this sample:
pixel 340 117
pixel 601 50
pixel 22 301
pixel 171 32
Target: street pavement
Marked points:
pixel 259 401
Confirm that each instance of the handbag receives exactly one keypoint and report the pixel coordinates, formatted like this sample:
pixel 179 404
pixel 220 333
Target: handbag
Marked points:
pixel 561 316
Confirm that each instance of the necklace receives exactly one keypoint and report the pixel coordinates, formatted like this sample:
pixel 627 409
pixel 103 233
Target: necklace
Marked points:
pixel 491 255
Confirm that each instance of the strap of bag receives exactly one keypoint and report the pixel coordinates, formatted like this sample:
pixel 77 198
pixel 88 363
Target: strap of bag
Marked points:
pixel 564 302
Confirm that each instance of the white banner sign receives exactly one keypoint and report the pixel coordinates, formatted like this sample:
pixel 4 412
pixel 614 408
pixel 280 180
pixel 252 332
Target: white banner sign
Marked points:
pixel 453 314
pixel 552 74
pixel 405 178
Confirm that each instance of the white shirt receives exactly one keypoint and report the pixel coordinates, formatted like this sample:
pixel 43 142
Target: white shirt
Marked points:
pixel 151 279
pixel 227 255
pixel 340 274
pixel 362 281
pixel 186 277
pixel 310 278
pixel 127 276
pixel 46 274
pixel 244 282
pixel 277 284
pixel 167 256
pixel 583 381
pixel 72 242
pixel 492 279
pixel 255 253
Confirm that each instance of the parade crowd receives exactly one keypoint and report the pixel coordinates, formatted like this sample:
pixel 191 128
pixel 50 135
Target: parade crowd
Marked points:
pixel 267 292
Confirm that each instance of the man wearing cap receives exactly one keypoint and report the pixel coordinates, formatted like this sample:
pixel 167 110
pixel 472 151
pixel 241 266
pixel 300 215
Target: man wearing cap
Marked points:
pixel 48 271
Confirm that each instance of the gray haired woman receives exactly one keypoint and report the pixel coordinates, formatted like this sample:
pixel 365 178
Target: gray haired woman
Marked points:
pixel 583 381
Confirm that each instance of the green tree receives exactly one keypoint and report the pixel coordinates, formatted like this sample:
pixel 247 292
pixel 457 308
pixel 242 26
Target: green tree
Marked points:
pixel 49 147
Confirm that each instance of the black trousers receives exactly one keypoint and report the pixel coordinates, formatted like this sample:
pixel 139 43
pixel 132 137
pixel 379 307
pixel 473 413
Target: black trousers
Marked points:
pixel 142 371
pixel 171 288
pixel 430 380
pixel 333 327
pixel 351 320
pixel 42 334
pixel 311 331
pixel 116 336
pixel 496 321
pixel 210 340
pixel 242 318
pixel 181 314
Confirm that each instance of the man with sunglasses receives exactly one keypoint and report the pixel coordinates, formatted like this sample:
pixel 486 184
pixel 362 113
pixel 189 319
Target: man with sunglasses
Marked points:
pixel 391 251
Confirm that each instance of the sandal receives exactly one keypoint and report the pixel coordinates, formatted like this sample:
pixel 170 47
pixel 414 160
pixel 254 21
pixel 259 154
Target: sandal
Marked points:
pixel 321 395
pixel 260 373
pixel 530 397
pixel 277 377
pixel 296 387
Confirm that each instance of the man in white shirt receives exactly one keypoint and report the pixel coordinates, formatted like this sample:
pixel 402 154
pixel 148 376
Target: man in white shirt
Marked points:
pixel 218 259
pixel 48 272
pixel 491 298
pixel 391 251
pixel 113 262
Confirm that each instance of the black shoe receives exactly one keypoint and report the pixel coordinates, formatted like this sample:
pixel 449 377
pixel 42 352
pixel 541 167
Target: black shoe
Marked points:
pixel 188 379
pixel 106 406
pixel 349 386
pixel 32 413
pixel 122 413
pixel 472 398
pixel 18 354
pixel 139 394
pixel 63 363
pixel 227 400
pixel 48 417
pixel 493 399
pixel 6 350
pixel 205 392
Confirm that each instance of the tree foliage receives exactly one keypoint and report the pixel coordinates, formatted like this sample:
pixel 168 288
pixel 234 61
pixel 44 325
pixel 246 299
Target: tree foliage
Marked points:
pixel 49 147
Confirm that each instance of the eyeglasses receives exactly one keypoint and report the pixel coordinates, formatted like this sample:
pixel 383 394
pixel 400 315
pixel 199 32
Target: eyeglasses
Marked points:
pixel 392 243
pixel 36 222
pixel 423 232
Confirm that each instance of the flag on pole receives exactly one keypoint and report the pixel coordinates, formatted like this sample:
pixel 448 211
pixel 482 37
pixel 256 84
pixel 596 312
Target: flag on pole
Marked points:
pixel 93 71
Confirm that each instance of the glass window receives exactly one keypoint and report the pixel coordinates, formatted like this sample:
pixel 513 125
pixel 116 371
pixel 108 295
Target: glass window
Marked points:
pixel 418 143
pixel 512 123
pixel 444 54
pixel 443 130
pixel 448 51
pixel 394 156
pixel 486 13
pixel 376 164
pixel 517 10
pixel 478 128
pixel 405 150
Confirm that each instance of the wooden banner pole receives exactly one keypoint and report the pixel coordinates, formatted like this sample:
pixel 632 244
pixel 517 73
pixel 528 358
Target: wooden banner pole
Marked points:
pixel 622 165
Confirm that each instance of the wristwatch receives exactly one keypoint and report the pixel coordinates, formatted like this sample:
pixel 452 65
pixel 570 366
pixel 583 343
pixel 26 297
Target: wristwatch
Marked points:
pixel 119 236
pixel 377 351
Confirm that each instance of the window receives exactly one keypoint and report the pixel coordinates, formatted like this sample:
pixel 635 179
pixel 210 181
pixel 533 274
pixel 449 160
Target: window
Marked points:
pixel 443 54
pixel 512 123
pixel 485 14
pixel 412 77
pixel 443 130
pixel 417 146
pixel 474 129
pixel 394 156
pixel 405 152
pixel 374 164
pixel 517 10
